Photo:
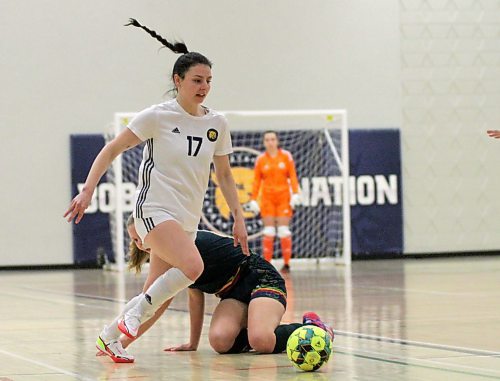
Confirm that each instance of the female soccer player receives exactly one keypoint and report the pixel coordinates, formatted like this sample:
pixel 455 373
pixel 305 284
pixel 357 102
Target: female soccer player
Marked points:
pixel 275 172
pixel 253 300
pixel 183 138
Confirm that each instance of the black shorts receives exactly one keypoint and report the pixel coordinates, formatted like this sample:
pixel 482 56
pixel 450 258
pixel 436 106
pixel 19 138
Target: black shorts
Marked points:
pixel 259 279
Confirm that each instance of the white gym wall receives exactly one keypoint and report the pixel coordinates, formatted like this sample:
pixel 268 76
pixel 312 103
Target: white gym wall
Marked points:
pixel 66 67
pixel 450 64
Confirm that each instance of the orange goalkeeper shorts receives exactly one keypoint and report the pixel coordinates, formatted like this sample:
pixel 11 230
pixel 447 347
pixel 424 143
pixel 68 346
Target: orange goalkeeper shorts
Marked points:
pixel 276 205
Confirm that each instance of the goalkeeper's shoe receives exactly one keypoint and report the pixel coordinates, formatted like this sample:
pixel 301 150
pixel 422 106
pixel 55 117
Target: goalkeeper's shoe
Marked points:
pixel 285 269
pixel 311 318
pixel 130 322
pixel 115 350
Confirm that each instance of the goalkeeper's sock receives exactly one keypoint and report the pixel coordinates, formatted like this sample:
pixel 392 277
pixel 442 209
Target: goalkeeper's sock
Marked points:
pixel 268 246
pixel 286 249
pixel 282 333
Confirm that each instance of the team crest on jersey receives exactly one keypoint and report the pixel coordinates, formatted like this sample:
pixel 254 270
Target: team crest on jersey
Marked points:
pixel 281 165
pixel 216 214
pixel 212 135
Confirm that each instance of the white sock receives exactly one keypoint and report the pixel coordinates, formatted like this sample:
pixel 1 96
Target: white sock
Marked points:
pixel 163 288
pixel 111 332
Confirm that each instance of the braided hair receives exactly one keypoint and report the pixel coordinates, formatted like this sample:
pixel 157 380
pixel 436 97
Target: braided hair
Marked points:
pixel 176 47
pixel 187 58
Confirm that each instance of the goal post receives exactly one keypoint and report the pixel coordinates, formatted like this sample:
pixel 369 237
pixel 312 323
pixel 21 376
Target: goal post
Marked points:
pixel 319 143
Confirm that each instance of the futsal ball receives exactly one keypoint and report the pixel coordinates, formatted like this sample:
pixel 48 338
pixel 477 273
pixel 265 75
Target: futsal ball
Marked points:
pixel 309 347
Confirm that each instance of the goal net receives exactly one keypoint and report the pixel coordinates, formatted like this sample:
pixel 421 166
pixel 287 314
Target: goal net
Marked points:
pixel 318 142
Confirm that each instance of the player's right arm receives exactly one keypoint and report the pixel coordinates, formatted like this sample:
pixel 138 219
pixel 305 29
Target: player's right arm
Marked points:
pixel 257 178
pixel 124 141
pixel 196 310
pixel 196 313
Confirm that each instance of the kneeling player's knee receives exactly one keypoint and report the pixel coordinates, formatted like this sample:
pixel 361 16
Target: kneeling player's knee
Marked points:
pixel 284 231
pixel 269 231
pixel 262 341
pixel 220 341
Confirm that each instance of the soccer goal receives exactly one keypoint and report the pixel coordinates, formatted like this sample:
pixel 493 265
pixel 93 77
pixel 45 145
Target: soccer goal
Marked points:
pixel 318 142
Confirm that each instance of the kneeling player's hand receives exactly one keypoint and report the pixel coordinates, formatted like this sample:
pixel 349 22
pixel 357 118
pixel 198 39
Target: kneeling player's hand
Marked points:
pixel 179 348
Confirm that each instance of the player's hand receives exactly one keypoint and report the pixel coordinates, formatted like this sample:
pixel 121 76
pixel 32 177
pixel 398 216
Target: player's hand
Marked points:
pixel 78 206
pixel 240 235
pixel 251 206
pixel 180 348
pixel 295 200
pixel 494 133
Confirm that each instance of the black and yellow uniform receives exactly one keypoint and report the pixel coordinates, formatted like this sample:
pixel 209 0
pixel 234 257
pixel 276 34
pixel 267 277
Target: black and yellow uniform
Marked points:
pixel 228 273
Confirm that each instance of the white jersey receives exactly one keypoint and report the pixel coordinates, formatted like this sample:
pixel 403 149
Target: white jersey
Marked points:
pixel 175 168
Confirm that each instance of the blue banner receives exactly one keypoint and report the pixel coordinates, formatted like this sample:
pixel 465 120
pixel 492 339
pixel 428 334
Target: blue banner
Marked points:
pixel 91 237
pixel 376 197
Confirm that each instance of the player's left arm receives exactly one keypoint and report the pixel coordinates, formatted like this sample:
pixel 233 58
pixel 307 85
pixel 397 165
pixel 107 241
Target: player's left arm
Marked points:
pixel 294 183
pixel 228 188
pixel 196 313
pixel 292 174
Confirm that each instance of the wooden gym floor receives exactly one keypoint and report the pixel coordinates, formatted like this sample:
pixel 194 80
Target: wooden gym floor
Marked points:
pixel 425 319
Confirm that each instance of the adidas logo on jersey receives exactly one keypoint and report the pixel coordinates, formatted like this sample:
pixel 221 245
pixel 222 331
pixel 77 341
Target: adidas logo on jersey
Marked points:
pixel 176 131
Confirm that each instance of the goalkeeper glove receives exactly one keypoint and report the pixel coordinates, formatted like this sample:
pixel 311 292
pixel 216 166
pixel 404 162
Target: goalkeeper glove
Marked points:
pixel 295 200
pixel 252 206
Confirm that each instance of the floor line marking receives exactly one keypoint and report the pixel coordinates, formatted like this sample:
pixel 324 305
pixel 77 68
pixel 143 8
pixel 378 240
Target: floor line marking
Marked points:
pixel 450 348
pixel 96 297
pixel 423 363
pixel 47 300
pixel 45 365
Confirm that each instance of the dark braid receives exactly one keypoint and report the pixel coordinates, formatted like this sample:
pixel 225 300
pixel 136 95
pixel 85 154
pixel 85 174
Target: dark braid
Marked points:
pixel 176 47
pixel 187 58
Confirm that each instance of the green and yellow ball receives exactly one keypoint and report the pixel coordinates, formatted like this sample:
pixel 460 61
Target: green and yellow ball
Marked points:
pixel 309 347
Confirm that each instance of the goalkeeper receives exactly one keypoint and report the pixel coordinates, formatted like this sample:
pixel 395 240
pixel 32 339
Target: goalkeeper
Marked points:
pixel 274 172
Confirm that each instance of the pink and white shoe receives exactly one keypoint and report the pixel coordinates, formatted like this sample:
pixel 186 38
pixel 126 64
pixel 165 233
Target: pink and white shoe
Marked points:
pixel 129 325
pixel 312 318
pixel 113 349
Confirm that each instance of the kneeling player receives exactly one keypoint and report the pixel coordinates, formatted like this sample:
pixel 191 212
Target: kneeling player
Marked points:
pixel 253 301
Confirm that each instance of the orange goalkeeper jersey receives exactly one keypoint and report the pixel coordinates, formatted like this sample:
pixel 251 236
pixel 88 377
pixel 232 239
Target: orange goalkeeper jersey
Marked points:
pixel 273 173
